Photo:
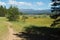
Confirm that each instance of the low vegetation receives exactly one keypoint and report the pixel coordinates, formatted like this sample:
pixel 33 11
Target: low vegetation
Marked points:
pixel 19 22
pixel 3 28
pixel 18 26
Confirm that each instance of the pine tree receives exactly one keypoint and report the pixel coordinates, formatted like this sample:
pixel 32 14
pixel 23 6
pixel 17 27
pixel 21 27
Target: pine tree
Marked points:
pixel 13 14
pixel 56 12
pixel 2 11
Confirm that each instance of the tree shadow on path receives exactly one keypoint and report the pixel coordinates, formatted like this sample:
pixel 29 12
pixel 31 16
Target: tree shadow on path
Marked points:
pixel 40 33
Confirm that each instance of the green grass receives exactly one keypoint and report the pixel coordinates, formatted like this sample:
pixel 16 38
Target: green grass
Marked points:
pixel 3 27
pixel 19 26
pixel 3 19
pixel 43 21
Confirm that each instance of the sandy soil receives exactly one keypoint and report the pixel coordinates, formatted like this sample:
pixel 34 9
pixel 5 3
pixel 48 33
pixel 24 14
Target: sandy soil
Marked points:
pixel 11 32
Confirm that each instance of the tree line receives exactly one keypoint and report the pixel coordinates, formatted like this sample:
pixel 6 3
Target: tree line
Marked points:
pixel 12 13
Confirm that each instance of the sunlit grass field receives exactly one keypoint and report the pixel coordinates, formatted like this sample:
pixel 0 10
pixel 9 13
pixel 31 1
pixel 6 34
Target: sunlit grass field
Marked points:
pixel 3 19
pixel 3 27
pixel 40 20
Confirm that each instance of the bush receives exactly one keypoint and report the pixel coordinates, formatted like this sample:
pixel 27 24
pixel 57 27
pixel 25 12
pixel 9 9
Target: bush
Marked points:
pixel 26 17
pixel 39 17
pixel 13 14
pixel 35 17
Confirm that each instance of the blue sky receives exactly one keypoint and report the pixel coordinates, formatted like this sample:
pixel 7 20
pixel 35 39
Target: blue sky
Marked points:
pixel 27 4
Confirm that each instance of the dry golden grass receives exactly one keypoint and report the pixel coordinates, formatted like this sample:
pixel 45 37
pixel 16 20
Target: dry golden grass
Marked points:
pixel 42 21
pixel 3 27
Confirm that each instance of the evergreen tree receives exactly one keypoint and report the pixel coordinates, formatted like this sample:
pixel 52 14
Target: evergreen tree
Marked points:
pixel 2 11
pixel 13 14
pixel 56 12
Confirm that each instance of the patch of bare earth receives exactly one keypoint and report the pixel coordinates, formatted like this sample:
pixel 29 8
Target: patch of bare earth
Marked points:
pixel 11 32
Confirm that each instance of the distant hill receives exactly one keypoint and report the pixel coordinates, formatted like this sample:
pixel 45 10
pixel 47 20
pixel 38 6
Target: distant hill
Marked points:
pixel 31 11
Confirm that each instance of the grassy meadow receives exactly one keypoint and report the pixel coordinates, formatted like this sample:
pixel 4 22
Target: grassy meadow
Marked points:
pixel 3 28
pixel 37 20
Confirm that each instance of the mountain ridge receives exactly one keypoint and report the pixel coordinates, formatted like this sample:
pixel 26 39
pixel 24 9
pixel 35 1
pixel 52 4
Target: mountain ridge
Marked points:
pixel 32 11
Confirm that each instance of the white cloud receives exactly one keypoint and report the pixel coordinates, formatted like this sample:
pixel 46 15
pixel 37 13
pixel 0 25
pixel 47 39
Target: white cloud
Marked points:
pixel 2 3
pixel 13 2
pixel 40 3
pixel 21 3
pixel 25 3
pixel 49 5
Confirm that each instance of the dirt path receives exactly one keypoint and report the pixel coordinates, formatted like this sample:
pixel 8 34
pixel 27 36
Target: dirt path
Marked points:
pixel 11 32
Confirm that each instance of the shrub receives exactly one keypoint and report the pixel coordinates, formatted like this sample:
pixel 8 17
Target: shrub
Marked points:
pixel 35 17
pixel 13 14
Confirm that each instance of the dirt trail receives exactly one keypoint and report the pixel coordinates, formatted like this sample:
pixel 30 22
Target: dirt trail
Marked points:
pixel 11 32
